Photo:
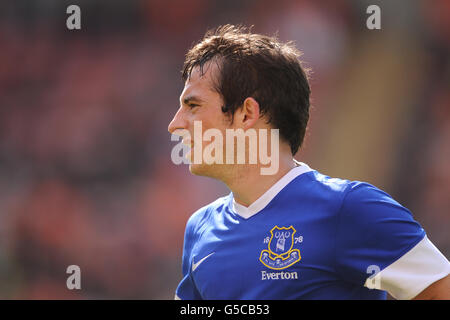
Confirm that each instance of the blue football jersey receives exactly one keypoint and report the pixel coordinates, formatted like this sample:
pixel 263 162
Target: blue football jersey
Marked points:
pixel 308 237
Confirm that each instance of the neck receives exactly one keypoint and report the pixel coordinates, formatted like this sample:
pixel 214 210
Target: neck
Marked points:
pixel 247 183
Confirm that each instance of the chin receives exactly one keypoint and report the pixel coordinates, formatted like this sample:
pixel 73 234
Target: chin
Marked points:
pixel 204 170
pixel 199 169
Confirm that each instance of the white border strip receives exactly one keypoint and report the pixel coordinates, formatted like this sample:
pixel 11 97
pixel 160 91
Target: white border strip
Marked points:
pixel 413 272
pixel 263 201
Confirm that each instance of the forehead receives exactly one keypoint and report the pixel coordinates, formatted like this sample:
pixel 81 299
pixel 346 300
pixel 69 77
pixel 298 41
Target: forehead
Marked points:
pixel 201 84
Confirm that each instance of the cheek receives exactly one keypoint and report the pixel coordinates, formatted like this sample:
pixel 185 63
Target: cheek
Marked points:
pixel 212 120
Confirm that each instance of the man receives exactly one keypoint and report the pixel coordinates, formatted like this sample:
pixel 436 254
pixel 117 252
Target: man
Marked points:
pixel 296 233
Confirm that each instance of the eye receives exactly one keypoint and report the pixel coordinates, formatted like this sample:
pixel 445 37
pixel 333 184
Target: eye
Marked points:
pixel 193 105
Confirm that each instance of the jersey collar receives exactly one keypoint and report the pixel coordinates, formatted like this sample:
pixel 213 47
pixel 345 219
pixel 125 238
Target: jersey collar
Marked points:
pixel 264 200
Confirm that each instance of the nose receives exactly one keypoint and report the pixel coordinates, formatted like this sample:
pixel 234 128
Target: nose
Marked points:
pixel 178 121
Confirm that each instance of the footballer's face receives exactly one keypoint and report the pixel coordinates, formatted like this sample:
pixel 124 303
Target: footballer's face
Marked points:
pixel 200 104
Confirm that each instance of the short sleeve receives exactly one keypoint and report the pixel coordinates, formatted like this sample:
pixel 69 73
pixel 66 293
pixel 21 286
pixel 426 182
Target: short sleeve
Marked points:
pixel 376 236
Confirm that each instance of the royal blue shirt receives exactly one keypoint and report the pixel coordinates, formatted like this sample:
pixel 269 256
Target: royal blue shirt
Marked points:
pixel 308 237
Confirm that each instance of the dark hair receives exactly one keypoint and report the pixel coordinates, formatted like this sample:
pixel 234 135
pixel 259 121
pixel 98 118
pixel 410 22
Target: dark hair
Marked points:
pixel 258 66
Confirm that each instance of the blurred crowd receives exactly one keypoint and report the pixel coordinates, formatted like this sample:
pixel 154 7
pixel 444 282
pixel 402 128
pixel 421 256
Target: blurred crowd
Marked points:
pixel 86 176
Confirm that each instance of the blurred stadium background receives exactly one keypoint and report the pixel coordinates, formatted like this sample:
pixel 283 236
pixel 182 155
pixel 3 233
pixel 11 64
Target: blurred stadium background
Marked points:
pixel 85 170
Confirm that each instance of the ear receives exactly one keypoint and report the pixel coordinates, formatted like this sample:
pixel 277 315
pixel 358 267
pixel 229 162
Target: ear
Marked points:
pixel 249 113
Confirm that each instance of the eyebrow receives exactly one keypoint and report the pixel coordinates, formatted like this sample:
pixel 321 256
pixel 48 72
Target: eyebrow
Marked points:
pixel 191 99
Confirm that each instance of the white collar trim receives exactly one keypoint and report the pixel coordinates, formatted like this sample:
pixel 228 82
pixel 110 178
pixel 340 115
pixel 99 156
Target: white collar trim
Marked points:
pixel 264 200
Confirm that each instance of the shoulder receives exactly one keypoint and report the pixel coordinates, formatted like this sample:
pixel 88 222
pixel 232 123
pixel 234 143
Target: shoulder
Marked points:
pixel 365 201
pixel 366 207
pixel 322 182
pixel 350 193
pixel 204 215
pixel 343 187
pixel 358 205
pixel 317 187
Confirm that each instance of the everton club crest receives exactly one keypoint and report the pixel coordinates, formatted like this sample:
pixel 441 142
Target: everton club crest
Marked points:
pixel 280 253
